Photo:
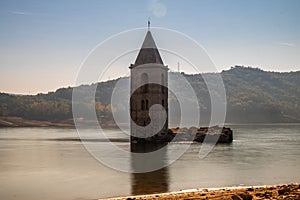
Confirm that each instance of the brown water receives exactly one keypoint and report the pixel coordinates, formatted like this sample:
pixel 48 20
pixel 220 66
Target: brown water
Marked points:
pixel 50 163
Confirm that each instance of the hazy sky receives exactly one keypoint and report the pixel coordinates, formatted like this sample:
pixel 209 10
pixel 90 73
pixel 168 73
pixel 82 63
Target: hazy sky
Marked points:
pixel 42 43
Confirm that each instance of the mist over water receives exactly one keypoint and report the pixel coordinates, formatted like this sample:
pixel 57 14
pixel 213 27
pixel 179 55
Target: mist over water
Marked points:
pixel 51 163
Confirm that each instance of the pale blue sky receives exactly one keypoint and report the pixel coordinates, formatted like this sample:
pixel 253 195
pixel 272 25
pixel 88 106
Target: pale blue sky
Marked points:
pixel 42 43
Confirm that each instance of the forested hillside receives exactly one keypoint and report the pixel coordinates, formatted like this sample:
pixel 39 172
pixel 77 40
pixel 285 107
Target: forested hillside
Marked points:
pixel 253 95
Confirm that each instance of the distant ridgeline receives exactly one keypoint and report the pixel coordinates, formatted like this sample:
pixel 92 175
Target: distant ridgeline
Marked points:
pixel 253 96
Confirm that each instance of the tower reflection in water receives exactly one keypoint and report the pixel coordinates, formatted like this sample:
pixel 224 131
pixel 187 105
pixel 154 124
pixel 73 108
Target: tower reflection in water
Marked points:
pixel 150 182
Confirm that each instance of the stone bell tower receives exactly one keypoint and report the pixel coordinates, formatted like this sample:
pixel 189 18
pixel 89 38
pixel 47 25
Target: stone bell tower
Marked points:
pixel 149 95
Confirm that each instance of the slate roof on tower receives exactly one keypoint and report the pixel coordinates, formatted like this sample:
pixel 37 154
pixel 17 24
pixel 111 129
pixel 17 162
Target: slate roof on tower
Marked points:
pixel 149 52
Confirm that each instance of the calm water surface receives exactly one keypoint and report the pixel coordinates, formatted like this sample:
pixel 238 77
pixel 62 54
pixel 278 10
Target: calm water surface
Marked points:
pixel 50 163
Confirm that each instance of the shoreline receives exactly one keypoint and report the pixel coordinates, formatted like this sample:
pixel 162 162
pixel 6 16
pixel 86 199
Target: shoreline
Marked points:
pixel 19 122
pixel 284 191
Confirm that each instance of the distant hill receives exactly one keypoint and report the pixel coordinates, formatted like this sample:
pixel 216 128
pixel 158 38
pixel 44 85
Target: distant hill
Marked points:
pixel 253 96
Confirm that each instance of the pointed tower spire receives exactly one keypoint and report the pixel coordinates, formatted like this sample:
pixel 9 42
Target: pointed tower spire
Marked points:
pixel 149 52
pixel 148 23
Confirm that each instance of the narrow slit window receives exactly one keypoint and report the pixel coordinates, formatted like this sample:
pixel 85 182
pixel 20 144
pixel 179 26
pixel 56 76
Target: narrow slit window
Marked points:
pixel 143 105
pixel 147 105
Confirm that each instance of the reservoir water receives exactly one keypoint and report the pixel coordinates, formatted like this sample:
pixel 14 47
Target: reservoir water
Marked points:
pixel 52 163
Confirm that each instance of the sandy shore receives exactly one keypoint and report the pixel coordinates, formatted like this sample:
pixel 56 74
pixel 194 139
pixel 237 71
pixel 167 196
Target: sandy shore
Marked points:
pixel 291 192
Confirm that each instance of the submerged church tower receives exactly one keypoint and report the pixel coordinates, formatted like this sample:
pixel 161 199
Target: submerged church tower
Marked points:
pixel 148 87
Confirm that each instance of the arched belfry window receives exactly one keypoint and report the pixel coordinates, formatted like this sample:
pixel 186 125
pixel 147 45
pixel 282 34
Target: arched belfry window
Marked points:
pixel 145 81
pixel 162 83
